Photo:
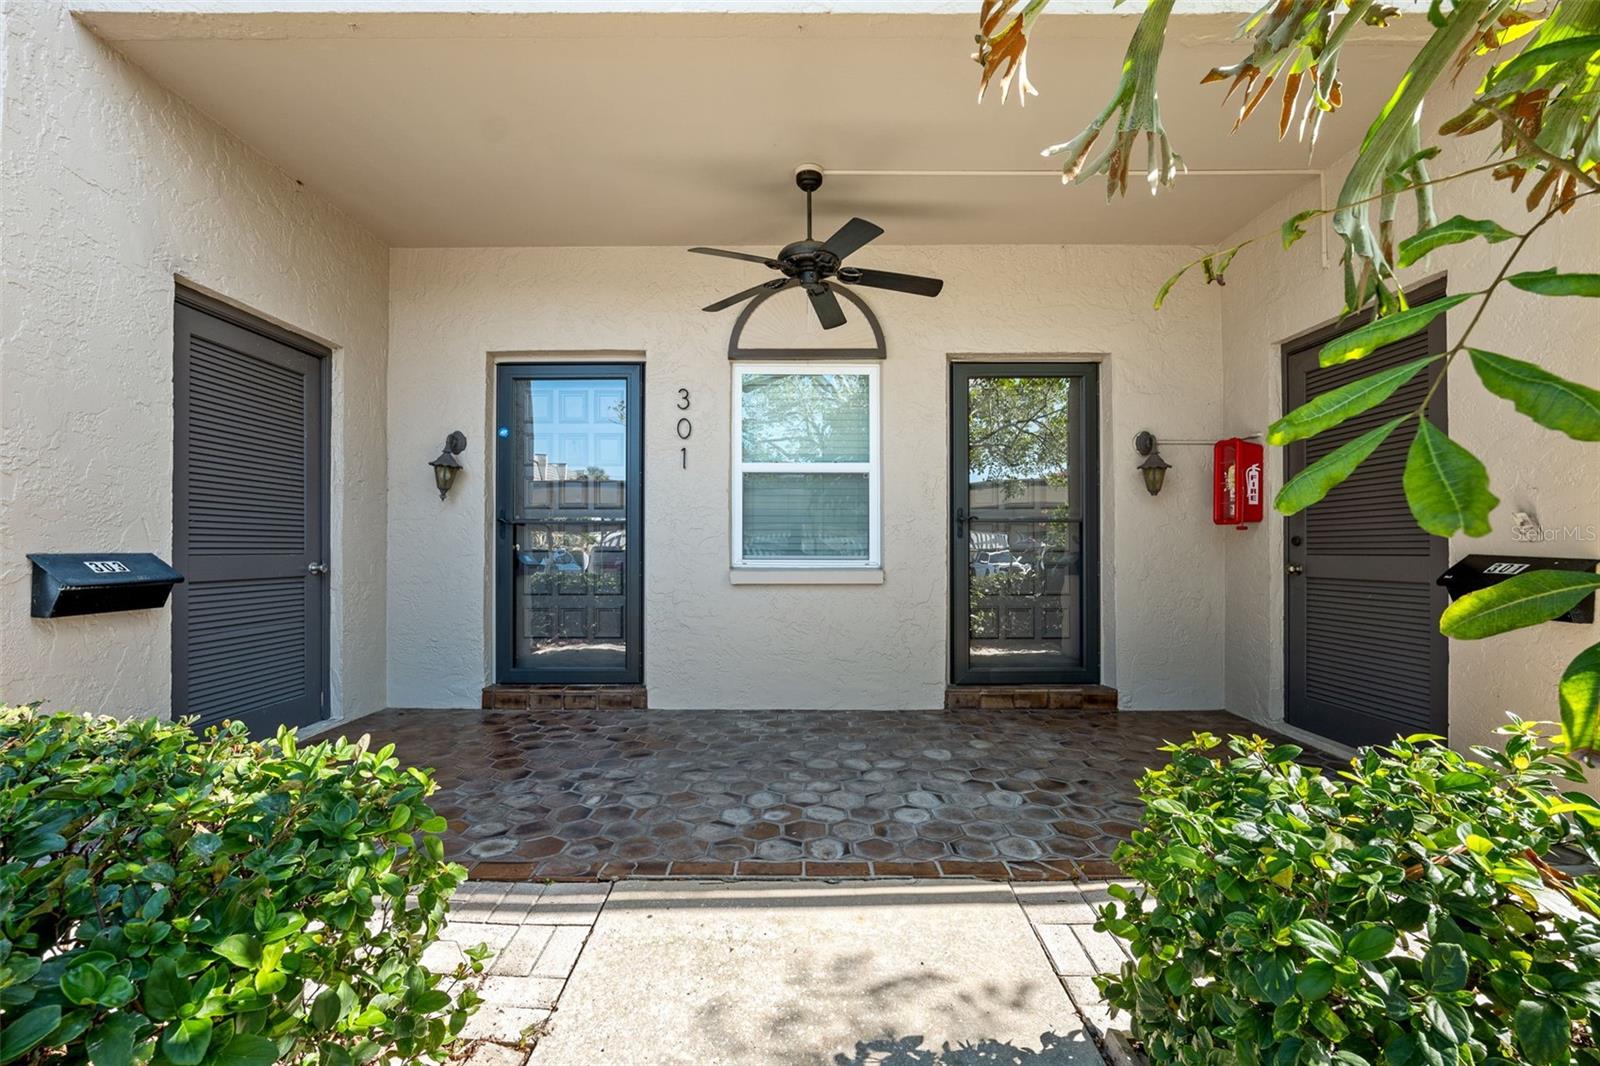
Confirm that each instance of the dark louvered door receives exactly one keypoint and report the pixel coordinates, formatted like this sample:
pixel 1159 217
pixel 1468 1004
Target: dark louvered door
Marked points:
pixel 250 622
pixel 1366 660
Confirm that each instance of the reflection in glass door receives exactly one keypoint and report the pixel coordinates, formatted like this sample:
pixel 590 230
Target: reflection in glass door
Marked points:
pixel 1024 522
pixel 568 519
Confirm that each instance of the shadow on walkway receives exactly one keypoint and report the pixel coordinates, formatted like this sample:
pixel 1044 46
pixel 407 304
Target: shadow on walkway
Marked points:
pixel 1054 1050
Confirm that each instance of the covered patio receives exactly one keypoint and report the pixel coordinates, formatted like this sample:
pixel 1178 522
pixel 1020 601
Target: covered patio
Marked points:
pixel 583 795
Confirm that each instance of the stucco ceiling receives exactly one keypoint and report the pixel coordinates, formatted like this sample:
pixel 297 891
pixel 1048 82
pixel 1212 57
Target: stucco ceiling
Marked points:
pixel 455 129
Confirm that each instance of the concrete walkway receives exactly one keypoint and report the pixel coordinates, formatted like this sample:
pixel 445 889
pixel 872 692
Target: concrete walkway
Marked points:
pixel 788 973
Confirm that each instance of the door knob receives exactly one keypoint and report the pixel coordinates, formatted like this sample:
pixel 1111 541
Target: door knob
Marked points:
pixel 317 568
pixel 1294 569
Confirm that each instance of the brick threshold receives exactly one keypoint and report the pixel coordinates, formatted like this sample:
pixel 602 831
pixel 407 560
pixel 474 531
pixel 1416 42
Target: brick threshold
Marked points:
pixel 810 870
pixel 1030 698
pixel 565 698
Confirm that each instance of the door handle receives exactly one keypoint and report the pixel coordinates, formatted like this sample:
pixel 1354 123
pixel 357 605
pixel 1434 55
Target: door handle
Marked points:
pixel 961 523
pixel 317 569
pixel 1293 568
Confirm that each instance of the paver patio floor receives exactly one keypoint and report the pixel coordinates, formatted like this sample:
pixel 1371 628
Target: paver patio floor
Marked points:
pixel 580 795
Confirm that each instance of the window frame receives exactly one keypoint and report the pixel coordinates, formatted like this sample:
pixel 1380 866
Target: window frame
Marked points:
pixel 873 467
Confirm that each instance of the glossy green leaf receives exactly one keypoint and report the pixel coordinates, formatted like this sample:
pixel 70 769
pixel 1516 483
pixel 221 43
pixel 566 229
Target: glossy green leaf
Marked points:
pixel 1386 330
pixel 165 992
pixel 1552 401
pixel 241 949
pixel 247 1049
pixel 1446 486
pixel 1335 406
pixel 1580 700
pixel 82 983
pixel 1276 975
pixel 1549 282
pixel 1524 600
pixel 1450 231
pixel 1444 968
pixel 111 1042
pixel 21 1035
pixel 1318 479
pixel 1315 980
pixel 1544 1032
pixel 1370 942
pixel 1317 938
pixel 184 1043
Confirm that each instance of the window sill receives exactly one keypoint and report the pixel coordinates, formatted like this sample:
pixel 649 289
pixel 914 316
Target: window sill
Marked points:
pixel 801 575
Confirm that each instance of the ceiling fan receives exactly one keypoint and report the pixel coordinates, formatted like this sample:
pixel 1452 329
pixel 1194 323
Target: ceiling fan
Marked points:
pixel 818 265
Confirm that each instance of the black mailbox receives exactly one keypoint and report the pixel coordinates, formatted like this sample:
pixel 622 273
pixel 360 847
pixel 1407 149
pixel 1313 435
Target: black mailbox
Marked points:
pixel 72 584
pixel 1480 571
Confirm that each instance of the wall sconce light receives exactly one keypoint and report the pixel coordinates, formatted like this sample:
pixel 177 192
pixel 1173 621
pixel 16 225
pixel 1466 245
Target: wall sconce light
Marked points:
pixel 1154 468
pixel 447 466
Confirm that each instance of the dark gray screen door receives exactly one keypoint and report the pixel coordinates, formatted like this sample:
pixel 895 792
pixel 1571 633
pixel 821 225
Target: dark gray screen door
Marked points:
pixel 1366 660
pixel 569 506
pixel 250 521
pixel 1024 557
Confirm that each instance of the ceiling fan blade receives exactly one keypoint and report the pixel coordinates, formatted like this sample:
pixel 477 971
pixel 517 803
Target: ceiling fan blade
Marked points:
pixel 852 236
pixel 826 304
pixel 741 297
pixel 888 279
pixel 746 256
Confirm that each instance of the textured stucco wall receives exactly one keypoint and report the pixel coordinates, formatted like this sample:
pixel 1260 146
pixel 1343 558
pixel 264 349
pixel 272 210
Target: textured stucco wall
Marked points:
pixel 710 644
pixel 1273 295
pixel 114 188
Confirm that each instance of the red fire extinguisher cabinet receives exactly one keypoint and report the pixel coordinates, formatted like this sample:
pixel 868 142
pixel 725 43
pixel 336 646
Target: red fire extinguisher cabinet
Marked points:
pixel 1237 483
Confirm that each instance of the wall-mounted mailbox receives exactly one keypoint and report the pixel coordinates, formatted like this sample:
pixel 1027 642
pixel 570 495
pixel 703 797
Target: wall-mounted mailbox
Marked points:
pixel 71 584
pixel 1480 571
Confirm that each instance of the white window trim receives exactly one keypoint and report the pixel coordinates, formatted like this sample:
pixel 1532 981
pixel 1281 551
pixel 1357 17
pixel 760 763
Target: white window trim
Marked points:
pixel 873 468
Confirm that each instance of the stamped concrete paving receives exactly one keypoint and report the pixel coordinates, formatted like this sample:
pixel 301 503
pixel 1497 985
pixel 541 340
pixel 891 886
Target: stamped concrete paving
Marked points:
pixel 1014 795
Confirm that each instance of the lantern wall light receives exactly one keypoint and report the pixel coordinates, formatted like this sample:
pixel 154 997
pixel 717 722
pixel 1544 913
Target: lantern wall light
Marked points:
pixel 1154 468
pixel 447 466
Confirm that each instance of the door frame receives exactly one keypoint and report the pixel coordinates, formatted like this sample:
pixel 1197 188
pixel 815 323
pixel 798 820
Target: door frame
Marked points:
pixel 186 297
pixel 1088 426
pixel 1438 340
pixel 632 672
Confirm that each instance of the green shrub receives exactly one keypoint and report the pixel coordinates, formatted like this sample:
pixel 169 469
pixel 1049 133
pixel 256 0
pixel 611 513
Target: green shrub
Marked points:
pixel 1400 912
pixel 173 898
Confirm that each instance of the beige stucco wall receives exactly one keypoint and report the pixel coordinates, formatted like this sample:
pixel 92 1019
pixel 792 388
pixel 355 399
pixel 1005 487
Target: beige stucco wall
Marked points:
pixel 113 189
pixel 711 644
pixel 1272 295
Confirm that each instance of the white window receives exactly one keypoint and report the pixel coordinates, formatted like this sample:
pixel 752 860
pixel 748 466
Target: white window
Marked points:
pixel 805 465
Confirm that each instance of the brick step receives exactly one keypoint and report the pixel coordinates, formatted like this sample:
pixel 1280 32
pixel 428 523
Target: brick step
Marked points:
pixel 1030 698
pixel 565 698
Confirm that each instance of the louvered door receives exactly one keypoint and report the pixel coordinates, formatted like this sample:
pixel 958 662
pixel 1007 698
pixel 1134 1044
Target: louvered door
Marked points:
pixel 250 622
pixel 1366 661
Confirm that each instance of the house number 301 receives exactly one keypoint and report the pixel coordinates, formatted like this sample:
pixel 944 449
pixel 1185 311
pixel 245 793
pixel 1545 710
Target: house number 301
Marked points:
pixel 685 428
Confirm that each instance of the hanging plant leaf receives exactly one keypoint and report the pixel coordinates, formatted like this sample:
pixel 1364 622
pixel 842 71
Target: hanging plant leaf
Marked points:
pixel 1331 408
pixel 1318 479
pixel 1552 401
pixel 1450 231
pixel 1446 486
pixel 1525 600
pixel 1549 283
pixel 1386 330
pixel 1580 700
pixel 1292 230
